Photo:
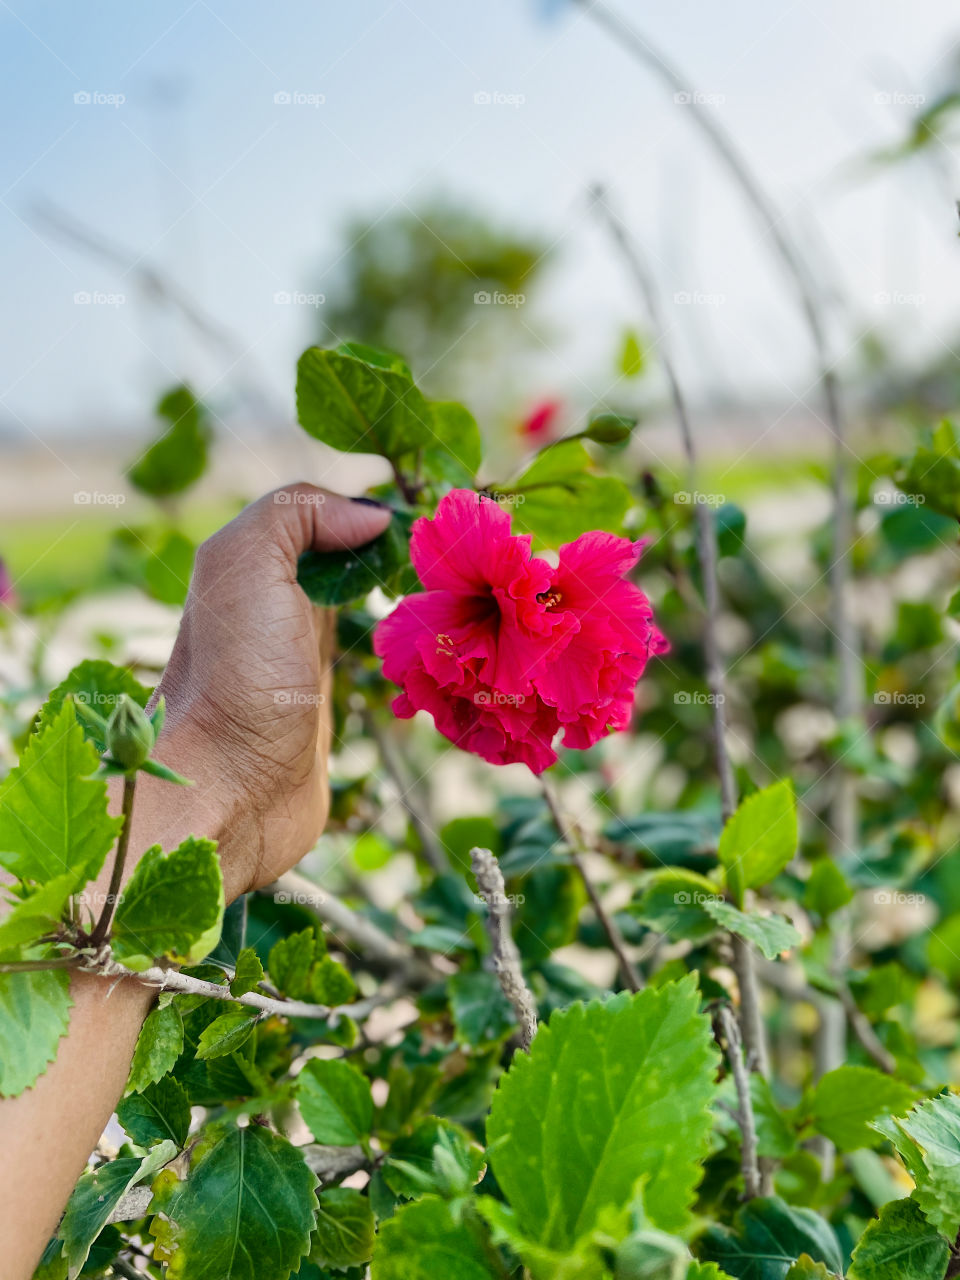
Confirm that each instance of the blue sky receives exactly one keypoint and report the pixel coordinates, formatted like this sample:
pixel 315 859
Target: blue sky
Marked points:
pixel 240 197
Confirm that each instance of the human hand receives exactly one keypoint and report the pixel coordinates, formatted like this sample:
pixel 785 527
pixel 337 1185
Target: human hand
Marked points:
pixel 245 689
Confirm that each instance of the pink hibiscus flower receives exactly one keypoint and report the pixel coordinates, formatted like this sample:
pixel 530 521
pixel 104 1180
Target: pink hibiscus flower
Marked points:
pixel 505 650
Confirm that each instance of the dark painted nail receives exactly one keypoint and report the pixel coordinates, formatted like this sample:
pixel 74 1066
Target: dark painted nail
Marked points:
pixel 370 502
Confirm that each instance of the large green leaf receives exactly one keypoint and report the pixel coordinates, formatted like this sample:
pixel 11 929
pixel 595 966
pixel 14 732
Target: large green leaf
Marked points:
pixel 633 1075
pixel 354 404
pixel 481 1012
pixel 559 496
pixel 456 450
pixel 244 1212
pixel 928 1139
pixel 34 1014
pixel 227 1033
pixel 345 1229
pixel 179 457
pixel 761 837
pixel 768 1237
pixel 53 815
pixel 168 567
pixel 98 685
pixel 900 1245
pixel 172 906
pixel 335 1102
pixel 160 1113
pixel 95 1197
pixel 771 934
pixel 424 1241
pixel 845 1101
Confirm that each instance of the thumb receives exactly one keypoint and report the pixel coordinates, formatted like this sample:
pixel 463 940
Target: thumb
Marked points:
pixel 302 517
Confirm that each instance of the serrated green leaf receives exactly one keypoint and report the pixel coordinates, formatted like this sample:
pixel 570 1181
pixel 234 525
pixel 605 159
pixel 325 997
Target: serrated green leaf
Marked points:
pixel 806 1269
pixel 179 457
pixel 345 1229
pixel 96 684
pixel 244 1212
pixel 160 1113
pixel 348 401
pixel 768 1237
pixel 53 815
pixel 335 1102
pixel 172 906
pixel 290 961
pixel 770 934
pixel 761 837
pixel 634 1074
pixel 158 1046
pixel 933 1130
pixel 845 1101
pixel 33 916
pixel 424 1241
pixel 481 1012
pixel 226 1033
pixel 96 1196
pixel 248 973
pixel 339 577
pixel 900 1245
pixel 34 1015
pixel 562 497
pixel 437 1157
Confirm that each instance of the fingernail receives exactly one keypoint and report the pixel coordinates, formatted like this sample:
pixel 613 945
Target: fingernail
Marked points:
pixel 370 502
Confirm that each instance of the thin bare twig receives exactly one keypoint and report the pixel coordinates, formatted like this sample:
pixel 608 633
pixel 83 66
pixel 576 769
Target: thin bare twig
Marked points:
pixel 506 957
pixel 570 832
pixel 409 796
pixel 749 1157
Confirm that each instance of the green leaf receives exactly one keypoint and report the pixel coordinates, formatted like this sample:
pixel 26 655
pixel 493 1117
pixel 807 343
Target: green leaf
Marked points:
pixel 768 1237
pixel 172 906
pixel 291 960
pixel 771 934
pixel 846 1100
pixel 900 1245
pixel 179 458
pixel 730 523
pixel 339 577
pixel 53 816
pixel 34 1014
pixel 158 1046
pixel 806 1269
pixel 933 1158
pixel 438 1157
pixel 609 429
pixel 563 497
pixel 635 1075
pixel 160 1113
pixel 335 1102
pixel 248 973
pixel 424 1241
pixel 331 983
pixel 167 570
pixel 350 402
pixel 345 1229
pixel 244 1212
pixel 480 1010
pixel 672 902
pixel 227 1033
pixel 456 451
pixel 761 837
pixel 827 890
pixel 632 361
pixel 98 685
pixel 36 914
pixel 95 1197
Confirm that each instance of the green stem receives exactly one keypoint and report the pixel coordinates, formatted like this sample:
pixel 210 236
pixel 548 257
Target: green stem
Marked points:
pixel 102 927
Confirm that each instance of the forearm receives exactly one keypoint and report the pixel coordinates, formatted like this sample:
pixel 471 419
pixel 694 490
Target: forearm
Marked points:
pixel 48 1132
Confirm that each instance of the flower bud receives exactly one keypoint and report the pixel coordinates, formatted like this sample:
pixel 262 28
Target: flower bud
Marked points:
pixel 610 428
pixel 130 735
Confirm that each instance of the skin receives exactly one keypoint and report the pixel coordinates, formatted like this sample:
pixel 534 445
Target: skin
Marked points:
pixel 247 721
